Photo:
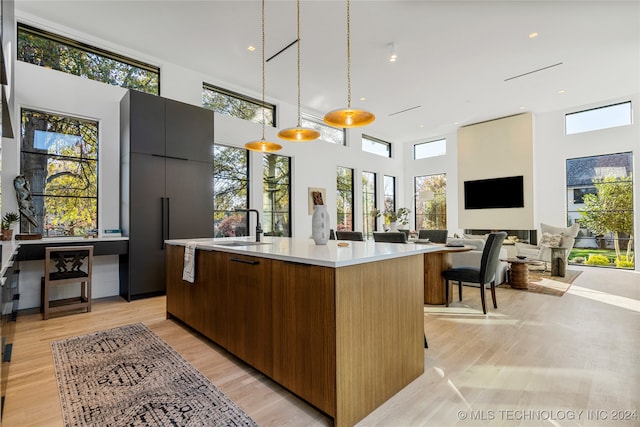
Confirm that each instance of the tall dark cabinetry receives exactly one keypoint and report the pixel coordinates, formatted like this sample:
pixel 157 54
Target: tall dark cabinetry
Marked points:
pixel 166 184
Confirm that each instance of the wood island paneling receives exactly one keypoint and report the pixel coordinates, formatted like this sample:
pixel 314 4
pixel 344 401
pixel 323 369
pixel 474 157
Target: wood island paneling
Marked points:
pixel 344 339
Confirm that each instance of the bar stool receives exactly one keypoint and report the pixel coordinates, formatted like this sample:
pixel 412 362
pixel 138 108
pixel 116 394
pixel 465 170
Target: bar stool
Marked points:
pixel 66 265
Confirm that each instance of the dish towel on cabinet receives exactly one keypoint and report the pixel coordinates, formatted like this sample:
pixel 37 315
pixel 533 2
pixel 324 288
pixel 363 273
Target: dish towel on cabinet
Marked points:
pixel 189 269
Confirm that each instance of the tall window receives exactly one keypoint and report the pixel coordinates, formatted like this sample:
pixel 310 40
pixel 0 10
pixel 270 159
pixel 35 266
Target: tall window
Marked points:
pixel 431 202
pixel 376 146
pixel 389 193
pixel 231 191
pixel 277 195
pixel 60 53
pixel 237 105
pixel 59 159
pixel 344 199
pixel 430 149
pixel 327 133
pixel 600 199
pixel 368 202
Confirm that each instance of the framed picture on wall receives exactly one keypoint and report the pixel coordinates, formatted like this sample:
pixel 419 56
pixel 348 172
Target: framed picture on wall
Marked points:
pixel 317 196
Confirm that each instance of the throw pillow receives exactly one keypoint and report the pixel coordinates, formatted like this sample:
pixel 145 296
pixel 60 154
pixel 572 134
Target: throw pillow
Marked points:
pixel 551 240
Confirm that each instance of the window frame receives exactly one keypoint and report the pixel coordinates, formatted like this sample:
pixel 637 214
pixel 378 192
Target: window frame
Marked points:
pixel 592 110
pixel 42 216
pixel 345 215
pixel 419 216
pixel 369 223
pixel 75 44
pixel 231 213
pixel 444 140
pixel 378 142
pixel 244 98
pixel 386 205
pixel 266 224
pixel 322 125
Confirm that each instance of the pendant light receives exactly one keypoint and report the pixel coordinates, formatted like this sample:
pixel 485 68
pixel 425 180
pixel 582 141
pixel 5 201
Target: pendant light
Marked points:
pixel 299 133
pixel 263 145
pixel 349 117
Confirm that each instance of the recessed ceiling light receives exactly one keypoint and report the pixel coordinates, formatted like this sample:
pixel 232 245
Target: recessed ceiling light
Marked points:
pixel 421 126
pixel 251 48
pixel 561 91
pixel 522 108
pixel 533 35
pixel 363 99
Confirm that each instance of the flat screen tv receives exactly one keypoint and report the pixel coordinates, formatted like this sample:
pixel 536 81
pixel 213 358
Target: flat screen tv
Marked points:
pixel 495 193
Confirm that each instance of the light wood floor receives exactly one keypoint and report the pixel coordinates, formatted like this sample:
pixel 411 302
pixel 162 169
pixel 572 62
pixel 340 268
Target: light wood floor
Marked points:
pixel 532 362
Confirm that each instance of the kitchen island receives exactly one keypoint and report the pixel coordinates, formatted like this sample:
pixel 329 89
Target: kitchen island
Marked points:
pixel 341 327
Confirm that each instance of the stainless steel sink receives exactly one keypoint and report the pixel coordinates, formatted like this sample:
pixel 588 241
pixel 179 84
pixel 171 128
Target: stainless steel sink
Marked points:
pixel 241 243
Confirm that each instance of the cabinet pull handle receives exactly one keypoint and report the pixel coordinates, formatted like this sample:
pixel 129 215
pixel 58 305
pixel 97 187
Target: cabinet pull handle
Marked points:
pixel 176 158
pixel 245 261
pixel 164 218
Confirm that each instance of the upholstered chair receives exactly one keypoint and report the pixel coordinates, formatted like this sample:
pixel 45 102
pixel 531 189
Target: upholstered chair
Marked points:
pixel 551 237
pixel 435 236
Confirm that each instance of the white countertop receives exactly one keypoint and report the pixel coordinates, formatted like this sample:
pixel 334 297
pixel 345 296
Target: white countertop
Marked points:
pixel 305 251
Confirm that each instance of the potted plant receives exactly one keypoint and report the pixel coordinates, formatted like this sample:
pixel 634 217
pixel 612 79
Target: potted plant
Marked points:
pixel 393 218
pixel 7 220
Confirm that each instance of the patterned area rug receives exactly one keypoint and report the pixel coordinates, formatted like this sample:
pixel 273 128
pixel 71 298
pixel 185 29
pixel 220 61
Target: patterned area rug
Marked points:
pixel 128 376
pixel 544 283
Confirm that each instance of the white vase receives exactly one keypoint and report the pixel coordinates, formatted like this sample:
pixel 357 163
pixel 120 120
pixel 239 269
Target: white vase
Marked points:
pixel 393 226
pixel 320 225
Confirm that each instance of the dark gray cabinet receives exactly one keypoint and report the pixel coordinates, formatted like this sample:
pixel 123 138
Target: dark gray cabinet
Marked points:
pixel 166 184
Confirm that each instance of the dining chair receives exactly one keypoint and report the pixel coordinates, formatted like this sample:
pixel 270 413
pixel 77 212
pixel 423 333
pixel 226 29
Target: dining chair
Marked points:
pixel 390 236
pixel 435 236
pixel 350 235
pixel 482 275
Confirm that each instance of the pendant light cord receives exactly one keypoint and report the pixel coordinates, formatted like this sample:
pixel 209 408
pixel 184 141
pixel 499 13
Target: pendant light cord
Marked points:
pixel 348 55
pixel 298 9
pixel 263 78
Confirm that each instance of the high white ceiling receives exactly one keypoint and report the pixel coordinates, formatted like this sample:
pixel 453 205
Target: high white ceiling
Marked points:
pixel 454 57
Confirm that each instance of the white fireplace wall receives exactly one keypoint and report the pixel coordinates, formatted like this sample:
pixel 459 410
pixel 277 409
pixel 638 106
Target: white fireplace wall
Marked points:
pixel 495 149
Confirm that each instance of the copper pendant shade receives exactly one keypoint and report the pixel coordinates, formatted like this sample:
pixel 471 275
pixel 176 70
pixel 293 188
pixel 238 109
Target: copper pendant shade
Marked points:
pixel 298 133
pixel 263 145
pixel 349 117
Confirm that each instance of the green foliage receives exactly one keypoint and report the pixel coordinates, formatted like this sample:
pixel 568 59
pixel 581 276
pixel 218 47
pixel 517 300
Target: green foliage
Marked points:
pixel 236 107
pixel 8 219
pixel 597 260
pixel 48 53
pixel 624 263
pixel 276 184
pixel 401 216
pixel 610 210
pixel 433 213
pixel 578 260
pixel 59 159
pixel 344 198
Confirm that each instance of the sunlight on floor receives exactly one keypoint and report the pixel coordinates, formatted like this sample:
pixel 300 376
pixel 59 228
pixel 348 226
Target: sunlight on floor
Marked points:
pixel 618 301
pixel 469 315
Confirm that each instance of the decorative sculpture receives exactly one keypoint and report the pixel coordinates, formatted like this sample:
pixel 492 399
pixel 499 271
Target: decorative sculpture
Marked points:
pixel 25 205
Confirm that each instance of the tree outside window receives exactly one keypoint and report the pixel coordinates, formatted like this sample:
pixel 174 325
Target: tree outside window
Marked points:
pixel 344 199
pixel 368 202
pixel 59 159
pixel 431 214
pixel 277 195
pixel 230 191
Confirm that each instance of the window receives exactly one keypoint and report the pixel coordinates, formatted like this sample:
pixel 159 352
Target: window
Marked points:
pixel 430 149
pixel 344 200
pixel 59 159
pixel 598 118
pixel 600 199
pixel 389 193
pixel 234 104
pixel 368 202
pixel 376 146
pixel 327 133
pixel 277 195
pixel 431 202
pixel 230 191
pixel 67 55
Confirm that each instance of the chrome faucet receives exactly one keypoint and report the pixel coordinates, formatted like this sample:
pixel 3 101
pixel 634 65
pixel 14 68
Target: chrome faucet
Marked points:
pixel 259 229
